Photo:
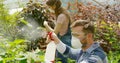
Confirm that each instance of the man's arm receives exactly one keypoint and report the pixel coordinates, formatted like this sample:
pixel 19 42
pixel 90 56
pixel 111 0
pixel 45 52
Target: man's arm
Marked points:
pixel 74 53
pixel 64 49
pixel 68 51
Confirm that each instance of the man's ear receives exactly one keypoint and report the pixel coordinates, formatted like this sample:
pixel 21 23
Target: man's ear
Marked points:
pixel 89 36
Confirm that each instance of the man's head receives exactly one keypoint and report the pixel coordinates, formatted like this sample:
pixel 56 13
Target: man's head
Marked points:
pixel 54 4
pixel 83 30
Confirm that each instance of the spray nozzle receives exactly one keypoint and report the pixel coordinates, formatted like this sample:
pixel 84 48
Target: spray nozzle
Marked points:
pixel 50 35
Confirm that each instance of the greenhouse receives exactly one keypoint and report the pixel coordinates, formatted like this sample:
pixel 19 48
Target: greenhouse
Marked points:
pixel 59 31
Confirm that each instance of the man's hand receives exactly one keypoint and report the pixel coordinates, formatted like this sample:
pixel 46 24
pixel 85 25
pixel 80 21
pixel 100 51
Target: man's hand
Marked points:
pixel 53 37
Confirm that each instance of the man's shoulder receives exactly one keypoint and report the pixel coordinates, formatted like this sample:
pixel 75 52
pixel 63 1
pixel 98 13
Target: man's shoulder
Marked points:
pixel 99 52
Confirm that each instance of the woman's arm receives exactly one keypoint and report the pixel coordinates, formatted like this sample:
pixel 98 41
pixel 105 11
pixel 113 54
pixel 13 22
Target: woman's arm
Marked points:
pixel 61 18
pixel 48 28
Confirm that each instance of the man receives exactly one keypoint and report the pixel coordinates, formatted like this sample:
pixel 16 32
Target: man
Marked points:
pixel 91 51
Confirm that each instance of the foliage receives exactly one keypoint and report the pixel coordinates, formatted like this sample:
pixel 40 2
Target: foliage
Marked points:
pixel 8 23
pixel 15 52
pixel 12 48
pixel 71 61
pixel 114 57
pixel 31 24
pixel 106 32
pixel 96 12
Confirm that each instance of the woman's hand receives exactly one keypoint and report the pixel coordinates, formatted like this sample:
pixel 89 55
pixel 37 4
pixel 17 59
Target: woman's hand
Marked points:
pixel 45 23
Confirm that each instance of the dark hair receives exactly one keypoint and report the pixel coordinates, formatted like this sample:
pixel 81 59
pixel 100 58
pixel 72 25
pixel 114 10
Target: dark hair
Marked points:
pixel 57 3
pixel 58 10
pixel 88 25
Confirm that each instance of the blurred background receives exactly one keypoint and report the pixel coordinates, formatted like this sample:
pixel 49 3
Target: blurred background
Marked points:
pixel 22 34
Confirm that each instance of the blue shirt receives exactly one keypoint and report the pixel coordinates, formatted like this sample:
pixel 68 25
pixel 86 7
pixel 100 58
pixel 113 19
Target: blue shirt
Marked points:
pixel 94 54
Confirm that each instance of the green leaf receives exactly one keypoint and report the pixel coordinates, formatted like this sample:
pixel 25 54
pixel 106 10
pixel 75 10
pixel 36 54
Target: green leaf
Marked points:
pixel 23 21
pixel 22 60
pixel 16 42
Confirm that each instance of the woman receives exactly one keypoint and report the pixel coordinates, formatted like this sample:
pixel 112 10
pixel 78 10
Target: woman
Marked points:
pixel 62 26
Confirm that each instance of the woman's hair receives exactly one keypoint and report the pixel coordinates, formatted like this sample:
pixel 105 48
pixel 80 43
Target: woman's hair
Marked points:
pixel 58 10
pixel 57 3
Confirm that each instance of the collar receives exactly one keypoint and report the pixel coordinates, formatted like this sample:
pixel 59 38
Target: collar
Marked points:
pixel 93 47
